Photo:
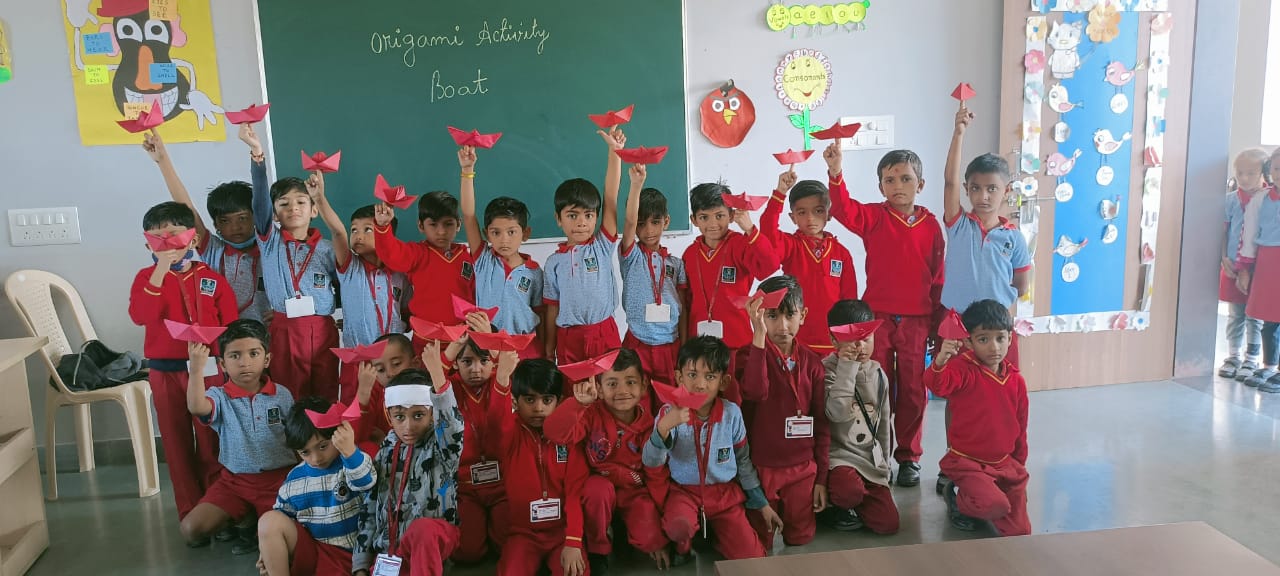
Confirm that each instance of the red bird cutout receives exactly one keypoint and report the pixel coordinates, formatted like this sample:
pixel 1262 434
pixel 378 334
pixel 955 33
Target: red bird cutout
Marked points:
pixel 855 332
pixel 254 113
pixel 429 330
pixel 474 138
pixel 743 201
pixel 584 370
pixel 152 118
pixel 677 396
pixel 206 335
pixel 792 157
pixel 501 341
pixel 837 131
pixel 393 195
pixel 613 117
pixel 360 353
pixel 963 92
pixel 461 308
pixel 179 241
pixel 335 415
pixel 321 161
pixel 642 155
pixel 771 299
pixel 952 328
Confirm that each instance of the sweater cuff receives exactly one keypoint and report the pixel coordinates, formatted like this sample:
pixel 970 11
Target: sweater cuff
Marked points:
pixel 149 289
pixel 823 470
pixel 755 235
pixel 756 499
pixel 573 542
pixel 836 180
pixel 779 196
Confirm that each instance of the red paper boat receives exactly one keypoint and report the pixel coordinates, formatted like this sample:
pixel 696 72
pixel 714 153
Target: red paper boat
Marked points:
pixel 584 370
pixel 952 328
pixel 206 335
pixel 360 353
pixel 501 341
pixel 855 332
pixel 677 396
pixel 461 308
pixel 152 118
pixel 428 330
pixel 321 161
pixel 963 92
pixel 393 195
pixel 771 299
pixel 254 113
pixel 179 241
pixel 793 157
pixel 743 201
pixel 335 415
pixel 613 117
pixel 837 131
pixel 642 155
pixel 474 138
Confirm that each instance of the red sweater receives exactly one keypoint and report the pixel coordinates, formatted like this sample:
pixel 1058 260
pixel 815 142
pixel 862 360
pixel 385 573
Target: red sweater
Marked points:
pixel 612 447
pixel 197 296
pixel 434 276
pixel 534 468
pixel 484 413
pixel 373 425
pixel 771 394
pixel 988 412
pixel 823 268
pixel 905 254
pixel 717 276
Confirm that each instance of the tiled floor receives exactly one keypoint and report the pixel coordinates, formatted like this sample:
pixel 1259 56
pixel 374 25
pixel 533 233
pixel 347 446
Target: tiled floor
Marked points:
pixel 1100 458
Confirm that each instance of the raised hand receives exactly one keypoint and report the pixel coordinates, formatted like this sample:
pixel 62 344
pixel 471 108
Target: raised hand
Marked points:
pixel 787 180
pixel 586 392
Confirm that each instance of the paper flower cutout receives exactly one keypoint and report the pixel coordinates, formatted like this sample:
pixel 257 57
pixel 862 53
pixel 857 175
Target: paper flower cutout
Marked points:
pixel 1120 321
pixel 1162 23
pixel 1027 186
pixel 1140 321
pixel 1148 254
pixel 1034 61
pixel 1036 29
pixel 1030 130
pixel 1023 327
pixel 1104 23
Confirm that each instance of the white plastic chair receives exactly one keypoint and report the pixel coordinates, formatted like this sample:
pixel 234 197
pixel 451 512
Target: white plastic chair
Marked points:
pixel 31 293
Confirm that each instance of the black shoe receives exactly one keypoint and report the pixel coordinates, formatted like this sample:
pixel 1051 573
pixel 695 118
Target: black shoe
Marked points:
pixel 679 559
pixel 908 474
pixel 599 564
pixel 846 520
pixel 226 534
pixel 958 520
pixel 941 486
pixel 246 541
pixel 201 543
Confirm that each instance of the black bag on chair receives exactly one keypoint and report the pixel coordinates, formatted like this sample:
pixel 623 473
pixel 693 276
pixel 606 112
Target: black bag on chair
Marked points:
pixel 97 367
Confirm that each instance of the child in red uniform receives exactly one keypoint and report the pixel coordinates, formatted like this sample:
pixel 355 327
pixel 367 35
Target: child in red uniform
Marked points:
pixel 544 480
pixel 986 461
pixel 905 253
pixel 373 426
pixel 811 255
pixel 783 401
pixel 722 265
pixel 613 432
pixel 181 289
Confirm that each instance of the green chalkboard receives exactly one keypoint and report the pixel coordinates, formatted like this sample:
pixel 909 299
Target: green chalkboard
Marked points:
pixel 341 75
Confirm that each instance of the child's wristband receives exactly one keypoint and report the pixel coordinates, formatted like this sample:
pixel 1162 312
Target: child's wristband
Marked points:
pixel 468 174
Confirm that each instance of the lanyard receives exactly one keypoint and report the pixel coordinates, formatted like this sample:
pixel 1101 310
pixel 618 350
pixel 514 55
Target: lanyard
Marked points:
pixel 384 324
pixel 192 309
pixel 661 274
pixel 704 462
pixel 393 514
pixel 542 464
pixel 255 270
pixel 863 408
pixel 711 300
pixel 788 364
pixel 296 273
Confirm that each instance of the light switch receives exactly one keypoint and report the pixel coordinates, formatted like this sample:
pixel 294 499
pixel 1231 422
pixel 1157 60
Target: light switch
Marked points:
pixel 876 132
pixel 42 226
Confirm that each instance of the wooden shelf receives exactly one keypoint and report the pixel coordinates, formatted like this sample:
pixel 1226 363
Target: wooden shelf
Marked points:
pixel 20 548
pixel 24 534
pixel 16 448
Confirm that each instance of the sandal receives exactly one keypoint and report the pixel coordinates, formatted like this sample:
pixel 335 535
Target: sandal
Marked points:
pixel 1260 377
pixel 1247 368
pixel 1271 386
pixel 1229 367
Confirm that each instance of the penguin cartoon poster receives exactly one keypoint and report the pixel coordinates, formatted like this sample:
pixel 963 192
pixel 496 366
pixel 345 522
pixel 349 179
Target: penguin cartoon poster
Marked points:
pixel 128 54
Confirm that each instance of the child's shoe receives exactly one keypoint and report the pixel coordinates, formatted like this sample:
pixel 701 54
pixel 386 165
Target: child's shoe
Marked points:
pixel 247 541
pixel 679 559
pixel 1271 386
pixel 958 520
pixel 1229 367
pixel 598 563
pixel 908 474
pixel 941 484
pixel 1246 370
pixel 226 534
pixel 1260 377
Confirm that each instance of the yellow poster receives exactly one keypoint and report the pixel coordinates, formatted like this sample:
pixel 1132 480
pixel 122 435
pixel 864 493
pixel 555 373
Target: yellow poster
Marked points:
pixel 129 54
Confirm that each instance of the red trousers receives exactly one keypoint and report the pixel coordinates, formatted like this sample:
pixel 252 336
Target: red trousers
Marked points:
pixel 524 552
pixel 873 502
pixel 190 448
pixel 991 491
pixel 722 506
pixel 657 361
pixel 241 494
pixel 790 494
pixel 425 545
pixel 578 343
pixel 900 346
pixel 483 511
pixel 317 558
pixel 599 500
pixel 300 356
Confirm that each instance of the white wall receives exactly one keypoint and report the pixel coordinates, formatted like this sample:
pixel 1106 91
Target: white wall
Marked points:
pixel 1251 68
pixel 905 63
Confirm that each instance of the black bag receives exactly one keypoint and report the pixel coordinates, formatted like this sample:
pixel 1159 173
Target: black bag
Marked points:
pixel 97 367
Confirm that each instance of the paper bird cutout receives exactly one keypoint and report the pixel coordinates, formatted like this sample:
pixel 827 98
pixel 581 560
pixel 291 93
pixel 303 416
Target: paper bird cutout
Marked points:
pixel 743 201
pixel 335 415
pixel 584 370
pixel 360 353
pixel 837 131
pixel 321 161
pixel 474 138
pixel 642 155
pixel 855 332
pixel 206 335
pixel 613 117
pixel 677 396
pixel 501 341
pixel 429 330
pixel 963 92
pixel 393 195
pixel 952 328
pixel 254 113
pixel 771 299
pixel 461 308
pixel 179 241
pixel 152 118
pixel 793 157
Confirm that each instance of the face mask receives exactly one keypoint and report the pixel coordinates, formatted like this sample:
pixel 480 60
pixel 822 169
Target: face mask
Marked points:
pixel 179 265
pixel 242 245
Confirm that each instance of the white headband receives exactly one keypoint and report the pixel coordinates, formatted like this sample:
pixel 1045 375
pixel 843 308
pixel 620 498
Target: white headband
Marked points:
pixel 407 395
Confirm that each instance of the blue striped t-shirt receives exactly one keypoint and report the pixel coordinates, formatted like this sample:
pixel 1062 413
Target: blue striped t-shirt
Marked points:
pixel 327 502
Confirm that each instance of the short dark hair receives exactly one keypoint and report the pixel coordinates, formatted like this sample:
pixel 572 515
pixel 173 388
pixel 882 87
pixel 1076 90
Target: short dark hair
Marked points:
pixel 480 353
pixel 793 302
pixel 437 205
pixel 367 213
pixel 397 339
pixel 244 328
pixel 411 376
pixel 806 188
pixel 849 311
pixel 577 193
pixel 709 349
pixel 895 157
pixel 166 213
pixel 286 185
pixel 988 164
pixel 653 204
pixel 987 315
pixel 229 198
pixel 298 427
pixel 536 377
pixel 506 207
pixel 707 196
pixel 627 358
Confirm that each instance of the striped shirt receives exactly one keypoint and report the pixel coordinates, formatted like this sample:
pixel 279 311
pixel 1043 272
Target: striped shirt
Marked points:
pixel 327 502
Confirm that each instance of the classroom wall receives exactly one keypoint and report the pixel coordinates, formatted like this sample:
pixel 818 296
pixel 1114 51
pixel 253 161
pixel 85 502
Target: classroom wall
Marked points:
pixel 904 63
pixel 1251 73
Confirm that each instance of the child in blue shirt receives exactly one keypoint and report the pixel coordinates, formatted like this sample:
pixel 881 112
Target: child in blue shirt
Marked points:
pixel 313 526
pixel 653 280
